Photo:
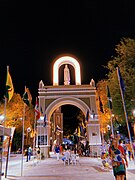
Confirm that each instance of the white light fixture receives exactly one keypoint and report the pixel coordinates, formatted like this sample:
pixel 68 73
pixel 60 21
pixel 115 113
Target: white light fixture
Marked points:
pixel 42 117
pixel 134 112
pixel 2 117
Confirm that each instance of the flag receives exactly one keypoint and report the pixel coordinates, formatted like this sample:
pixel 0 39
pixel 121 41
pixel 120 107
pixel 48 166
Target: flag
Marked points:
pixel 83 125
pixel 9 86
pixel 25 97
pixel 87 115
pixel 58 129
pixel 45 120
pixel 82 129
pixel 101 105
pixel 37 112
pixel 109 98
pixel 78 131
pixel 29 95
pixel 122 86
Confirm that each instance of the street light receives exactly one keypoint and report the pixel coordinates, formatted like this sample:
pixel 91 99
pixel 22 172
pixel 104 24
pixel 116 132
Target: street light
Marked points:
pixel 28 131
pixel 133 112
pixel 134 122
pixel 42 118
pixel 112 116
pixel 1 144
pixel 108 127
pixel 1 118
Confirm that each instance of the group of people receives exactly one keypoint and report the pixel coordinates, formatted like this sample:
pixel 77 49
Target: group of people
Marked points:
pixel 115 156
pixel 29 152
pixel 66 152
pixel 83 149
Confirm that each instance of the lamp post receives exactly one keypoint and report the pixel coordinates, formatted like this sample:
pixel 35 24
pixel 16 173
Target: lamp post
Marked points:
pixel 112 116
pixel 41 133
pixel 41 125
pixel 133 113
pixel 1 144
pixel 28 131
pixel 134 121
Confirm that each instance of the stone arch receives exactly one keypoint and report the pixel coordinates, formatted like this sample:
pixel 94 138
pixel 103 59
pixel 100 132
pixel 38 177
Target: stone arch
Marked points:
pixel 64 101
pixel 66 60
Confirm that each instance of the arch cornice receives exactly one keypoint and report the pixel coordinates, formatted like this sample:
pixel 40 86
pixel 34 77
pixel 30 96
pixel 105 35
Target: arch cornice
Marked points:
pixel 65 101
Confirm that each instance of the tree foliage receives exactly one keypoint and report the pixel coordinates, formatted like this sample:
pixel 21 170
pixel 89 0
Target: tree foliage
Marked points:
pixel 15 113
pixel 103 117
pixel 125 60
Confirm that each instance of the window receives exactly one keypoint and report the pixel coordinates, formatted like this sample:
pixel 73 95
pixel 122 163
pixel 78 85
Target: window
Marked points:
pixel 42 140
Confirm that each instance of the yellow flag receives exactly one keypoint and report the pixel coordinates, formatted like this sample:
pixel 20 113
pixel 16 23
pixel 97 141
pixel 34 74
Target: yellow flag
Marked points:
pixel 79 133
pixel 9 86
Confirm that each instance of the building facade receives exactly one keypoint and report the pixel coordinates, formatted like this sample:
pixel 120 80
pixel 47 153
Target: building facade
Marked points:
pixel 51 98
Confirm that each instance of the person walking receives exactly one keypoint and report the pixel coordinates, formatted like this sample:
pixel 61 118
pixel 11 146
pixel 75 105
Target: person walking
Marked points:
pixel 129 149
pixel 66 156
pixel 61 149
pixel 38 153
pixel 26 154
pixel 29 152
pixel 118 158
pixel 134 148
pixel 57 151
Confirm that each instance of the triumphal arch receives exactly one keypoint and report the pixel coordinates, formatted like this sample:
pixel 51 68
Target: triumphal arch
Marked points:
pixel 51 98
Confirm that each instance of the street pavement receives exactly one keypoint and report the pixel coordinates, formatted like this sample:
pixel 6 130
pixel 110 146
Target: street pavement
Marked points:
pixel 50 169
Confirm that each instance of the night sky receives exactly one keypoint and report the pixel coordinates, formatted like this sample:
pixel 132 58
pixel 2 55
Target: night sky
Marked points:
pixel 33 34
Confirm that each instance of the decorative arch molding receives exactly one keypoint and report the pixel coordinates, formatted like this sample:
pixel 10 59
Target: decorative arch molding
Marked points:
pixel 66 60
pixel 66 101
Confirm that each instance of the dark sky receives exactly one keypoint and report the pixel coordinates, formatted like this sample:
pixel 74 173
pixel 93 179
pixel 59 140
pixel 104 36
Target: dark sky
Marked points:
pixel 33 34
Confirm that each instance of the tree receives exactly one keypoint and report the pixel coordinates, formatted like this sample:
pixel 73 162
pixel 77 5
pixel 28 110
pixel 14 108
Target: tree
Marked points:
pixel 14 115
pixel 125 60
pixel 105 117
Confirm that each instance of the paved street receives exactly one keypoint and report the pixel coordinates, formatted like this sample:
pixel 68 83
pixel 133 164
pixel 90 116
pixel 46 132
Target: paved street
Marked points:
pixel 88 168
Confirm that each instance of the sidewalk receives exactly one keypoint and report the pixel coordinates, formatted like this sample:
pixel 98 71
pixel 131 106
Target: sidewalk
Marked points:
pixel 51 169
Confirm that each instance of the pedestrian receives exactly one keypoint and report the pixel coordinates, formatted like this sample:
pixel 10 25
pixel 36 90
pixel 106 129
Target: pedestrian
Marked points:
pixel 26 154
pixel 61 149
pixel 125 147
pixel 38 153
pixel 134 148
pixel 29 152
pixel 75 149
pixel 118 158
pixel 57 151
pixel 129 149
pixel 66 156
